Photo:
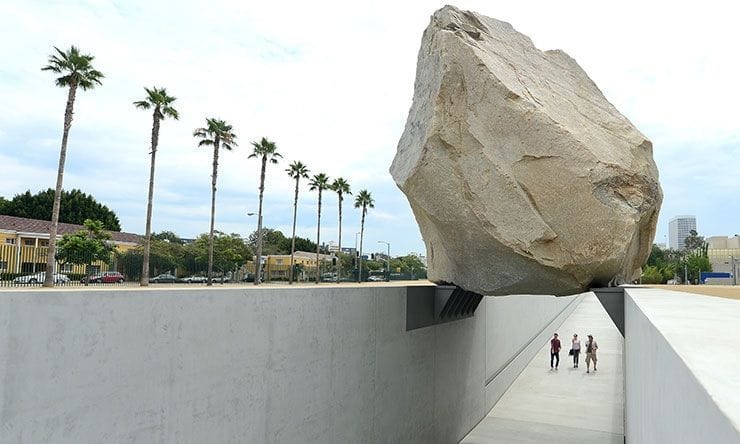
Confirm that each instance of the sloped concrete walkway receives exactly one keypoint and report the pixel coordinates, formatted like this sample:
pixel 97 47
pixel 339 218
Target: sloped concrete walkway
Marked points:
pixel 567 405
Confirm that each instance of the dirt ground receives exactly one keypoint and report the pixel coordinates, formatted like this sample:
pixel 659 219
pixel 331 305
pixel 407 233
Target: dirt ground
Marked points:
pixel 722 291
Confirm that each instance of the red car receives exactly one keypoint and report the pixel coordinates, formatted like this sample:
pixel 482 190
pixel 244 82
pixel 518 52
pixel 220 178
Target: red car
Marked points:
pixel 107 277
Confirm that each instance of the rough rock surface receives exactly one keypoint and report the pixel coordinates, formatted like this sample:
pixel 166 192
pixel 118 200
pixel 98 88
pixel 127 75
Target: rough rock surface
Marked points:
pixel 522 176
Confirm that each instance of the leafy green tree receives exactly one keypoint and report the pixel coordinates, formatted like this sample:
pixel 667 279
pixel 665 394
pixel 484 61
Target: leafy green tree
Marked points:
pixel 168 236
pixel 696 263
pixel 363 200
pixel 341 187
pixel 85 246
pixel 657 256
pixel 273 241
pixel 76 71
pixel 264 150
pixel 164 256
pixel 409 264
pixel 319 182
pixel 693 241
pixel 297 170
pixel 229 250
pixel 217 134
pixel 75 208
pixel 161 103
pixel 300 244
pixel 3 205
pixel 651 275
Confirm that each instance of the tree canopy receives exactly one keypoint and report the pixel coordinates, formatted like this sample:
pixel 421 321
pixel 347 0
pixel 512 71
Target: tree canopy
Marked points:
pixel 275 242
pixel 85 246
pixel 693 241
pixel 229 251
pixel 76 207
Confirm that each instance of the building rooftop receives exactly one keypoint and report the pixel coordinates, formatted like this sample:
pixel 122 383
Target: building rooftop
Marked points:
pixel 41 228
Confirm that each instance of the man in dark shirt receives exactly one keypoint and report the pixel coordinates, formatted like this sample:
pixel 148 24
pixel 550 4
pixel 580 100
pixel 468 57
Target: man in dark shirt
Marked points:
pixel 554 351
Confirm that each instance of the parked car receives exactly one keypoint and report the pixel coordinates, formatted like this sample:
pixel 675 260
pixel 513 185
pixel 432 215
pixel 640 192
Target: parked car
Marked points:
pixel 250 278
pixel 106 277
pixel 376 278
pixel 39 278
pixel 220 279
pixel 164 278
pixel 194 279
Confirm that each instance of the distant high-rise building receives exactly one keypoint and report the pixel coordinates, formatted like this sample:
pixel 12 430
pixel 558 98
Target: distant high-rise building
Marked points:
pixel 678 230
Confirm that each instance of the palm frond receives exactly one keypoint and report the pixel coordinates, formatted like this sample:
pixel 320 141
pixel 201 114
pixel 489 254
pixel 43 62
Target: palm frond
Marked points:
pixel 142 104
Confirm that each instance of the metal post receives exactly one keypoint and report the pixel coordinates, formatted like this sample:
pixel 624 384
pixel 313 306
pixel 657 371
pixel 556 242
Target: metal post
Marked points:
pixel 387 261
pixel 734 276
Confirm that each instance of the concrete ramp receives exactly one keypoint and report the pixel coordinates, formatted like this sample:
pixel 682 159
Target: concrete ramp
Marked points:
pixel 567 405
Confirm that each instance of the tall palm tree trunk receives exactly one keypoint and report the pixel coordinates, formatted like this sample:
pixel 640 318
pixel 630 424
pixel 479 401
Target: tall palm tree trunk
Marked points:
pixel 362 236
pixel 148 233
pixel 292 244
pixel 339 253
pixel 51 250
pixel 318 244
pixel 213 212
pixel 258 264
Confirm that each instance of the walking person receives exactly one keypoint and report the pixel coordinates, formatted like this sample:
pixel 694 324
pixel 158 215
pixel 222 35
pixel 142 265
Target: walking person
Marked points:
pixel 575 349
pixel 591 347
pixel 554 351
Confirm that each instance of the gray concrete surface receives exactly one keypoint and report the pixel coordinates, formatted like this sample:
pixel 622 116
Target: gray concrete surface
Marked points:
pixel 323 364
pixel 567 405
pixel 682 367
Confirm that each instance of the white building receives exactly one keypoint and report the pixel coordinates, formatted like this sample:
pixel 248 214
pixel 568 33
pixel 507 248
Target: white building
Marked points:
pixel 678 230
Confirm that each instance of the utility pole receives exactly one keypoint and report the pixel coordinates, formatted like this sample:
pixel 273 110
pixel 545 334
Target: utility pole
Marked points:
pixel 258 257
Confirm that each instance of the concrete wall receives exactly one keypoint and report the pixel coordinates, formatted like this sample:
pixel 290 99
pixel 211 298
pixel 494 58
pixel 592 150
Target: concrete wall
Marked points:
pixel 681 375
pixel 322 364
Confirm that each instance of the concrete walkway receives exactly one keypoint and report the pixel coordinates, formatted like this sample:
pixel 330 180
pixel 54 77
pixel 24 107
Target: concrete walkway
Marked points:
pixel 567 405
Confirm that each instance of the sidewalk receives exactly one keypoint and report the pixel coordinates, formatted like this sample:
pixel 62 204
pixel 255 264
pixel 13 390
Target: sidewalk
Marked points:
pixel 567 405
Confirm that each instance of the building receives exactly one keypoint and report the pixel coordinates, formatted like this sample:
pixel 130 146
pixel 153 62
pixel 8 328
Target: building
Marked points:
pixel 679 229
pixel 724 253
pixel 24 244
pixel 277 266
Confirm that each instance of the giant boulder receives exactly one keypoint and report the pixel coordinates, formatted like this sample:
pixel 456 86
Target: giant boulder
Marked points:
pixel 523 178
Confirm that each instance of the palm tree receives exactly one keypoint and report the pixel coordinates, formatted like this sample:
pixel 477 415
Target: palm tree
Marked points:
pixel 297 170
pixel 363 200
pixel 218 134
pixel 319 182
pixel 341 187
pixel 158 99
pixel 76 72
pixel 265 150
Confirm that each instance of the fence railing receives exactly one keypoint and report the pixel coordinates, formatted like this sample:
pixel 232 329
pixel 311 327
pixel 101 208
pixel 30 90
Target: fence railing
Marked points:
pixel 25 265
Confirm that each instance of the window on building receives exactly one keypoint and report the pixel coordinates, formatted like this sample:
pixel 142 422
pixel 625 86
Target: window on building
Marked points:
pixel 279 261
pixel 93 269
pixel 29 242
pixel 3 265
pixel 43 243
pixel 10 241
pixel 67 268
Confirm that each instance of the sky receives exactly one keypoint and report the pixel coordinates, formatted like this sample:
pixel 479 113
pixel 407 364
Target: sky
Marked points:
pixel 331 83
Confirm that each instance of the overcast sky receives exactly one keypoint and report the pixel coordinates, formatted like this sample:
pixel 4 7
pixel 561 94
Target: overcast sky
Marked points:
pixel 331 83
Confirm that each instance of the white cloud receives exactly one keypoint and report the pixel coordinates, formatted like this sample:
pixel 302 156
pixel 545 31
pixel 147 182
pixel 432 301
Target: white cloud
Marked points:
pixel 332 84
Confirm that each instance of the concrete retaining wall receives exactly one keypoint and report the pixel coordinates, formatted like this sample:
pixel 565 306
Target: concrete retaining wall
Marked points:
pixel 681 368
pixel 324 364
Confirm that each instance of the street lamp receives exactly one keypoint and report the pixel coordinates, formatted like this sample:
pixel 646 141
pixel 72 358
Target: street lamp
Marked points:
pixel 388 260
pixel 258 260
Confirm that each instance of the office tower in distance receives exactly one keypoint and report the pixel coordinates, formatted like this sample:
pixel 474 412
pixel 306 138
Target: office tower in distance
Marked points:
pixel 678 229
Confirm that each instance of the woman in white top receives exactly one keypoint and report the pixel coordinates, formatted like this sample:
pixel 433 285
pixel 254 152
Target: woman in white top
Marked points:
pixel 576 348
